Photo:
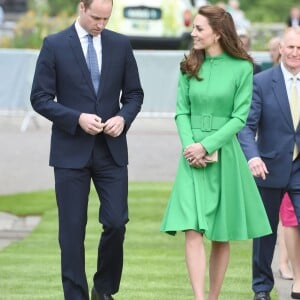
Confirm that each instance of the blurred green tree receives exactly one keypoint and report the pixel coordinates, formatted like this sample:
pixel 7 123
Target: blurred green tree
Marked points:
pixel 267 10
pixel 54 7
pixel 255 10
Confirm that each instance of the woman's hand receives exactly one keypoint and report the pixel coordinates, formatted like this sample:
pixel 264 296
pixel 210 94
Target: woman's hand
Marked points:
pixel 194 154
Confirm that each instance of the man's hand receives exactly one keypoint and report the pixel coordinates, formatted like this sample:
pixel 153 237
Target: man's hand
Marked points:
pixel 90 123
pixel 114 126
pixel 258 168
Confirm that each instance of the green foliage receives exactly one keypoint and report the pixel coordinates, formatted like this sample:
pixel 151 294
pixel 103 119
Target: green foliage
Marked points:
pixel 267 17
pixel 54 7
pixel 266 10
pixel 256 10
pixel 42 19
pixel 32 27
pixel 154 265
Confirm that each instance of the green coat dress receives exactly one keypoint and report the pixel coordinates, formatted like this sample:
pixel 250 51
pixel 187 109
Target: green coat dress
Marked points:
pixel 220 200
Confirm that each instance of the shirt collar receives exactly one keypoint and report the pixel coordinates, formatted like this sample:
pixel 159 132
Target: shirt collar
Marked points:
pixel 81 31
pixel 286 74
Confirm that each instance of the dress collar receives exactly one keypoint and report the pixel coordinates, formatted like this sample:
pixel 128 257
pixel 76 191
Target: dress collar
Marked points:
pixel 216 57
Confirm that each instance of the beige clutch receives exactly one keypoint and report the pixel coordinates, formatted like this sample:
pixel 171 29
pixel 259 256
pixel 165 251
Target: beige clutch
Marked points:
pixel 212 157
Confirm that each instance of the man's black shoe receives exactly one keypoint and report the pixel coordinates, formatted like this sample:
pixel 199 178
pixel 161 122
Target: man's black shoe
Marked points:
pixel 97 296
pixel 262 296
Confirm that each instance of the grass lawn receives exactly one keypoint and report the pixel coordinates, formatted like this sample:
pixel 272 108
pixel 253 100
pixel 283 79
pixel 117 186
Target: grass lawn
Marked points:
pixel 154 266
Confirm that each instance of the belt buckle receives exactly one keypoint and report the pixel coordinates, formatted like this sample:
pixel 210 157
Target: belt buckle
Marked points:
pixel 206 122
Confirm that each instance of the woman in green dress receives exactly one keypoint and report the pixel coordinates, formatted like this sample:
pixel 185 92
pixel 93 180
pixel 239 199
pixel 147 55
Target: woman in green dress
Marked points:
pixel 214 193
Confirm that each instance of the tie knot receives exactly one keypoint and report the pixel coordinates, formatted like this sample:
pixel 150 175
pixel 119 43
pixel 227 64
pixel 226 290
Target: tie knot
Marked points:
pixel 90 38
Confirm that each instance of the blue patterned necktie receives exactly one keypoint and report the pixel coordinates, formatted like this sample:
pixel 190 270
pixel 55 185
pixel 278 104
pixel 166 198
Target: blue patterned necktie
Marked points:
pixel 92 62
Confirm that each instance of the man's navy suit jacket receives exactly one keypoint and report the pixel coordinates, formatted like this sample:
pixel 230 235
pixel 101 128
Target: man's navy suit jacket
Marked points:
pixel 62 89
pixel 269 132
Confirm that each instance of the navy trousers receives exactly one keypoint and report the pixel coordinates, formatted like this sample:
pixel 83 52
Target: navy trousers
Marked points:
pixel 72 188
pixel 263 247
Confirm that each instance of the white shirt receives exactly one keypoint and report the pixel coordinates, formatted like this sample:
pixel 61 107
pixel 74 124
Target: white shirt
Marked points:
pixel 294 22
pixel 82 34
pixel 288 79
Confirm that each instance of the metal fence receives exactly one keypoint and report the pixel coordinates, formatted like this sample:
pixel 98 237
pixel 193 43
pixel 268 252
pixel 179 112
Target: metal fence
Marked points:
pixel 158 72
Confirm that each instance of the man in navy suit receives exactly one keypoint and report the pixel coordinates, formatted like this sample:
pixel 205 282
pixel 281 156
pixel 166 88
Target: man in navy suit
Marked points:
pixel 271 143
pixel 90 120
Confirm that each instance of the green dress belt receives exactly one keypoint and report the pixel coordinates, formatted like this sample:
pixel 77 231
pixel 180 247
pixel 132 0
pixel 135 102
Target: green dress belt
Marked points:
pixel 208 122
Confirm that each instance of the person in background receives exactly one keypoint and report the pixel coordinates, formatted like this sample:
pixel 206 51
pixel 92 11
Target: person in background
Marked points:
pixel 273 47
pixel 199 3
pixel 283 258
pixel 294 17
pixel 214 194
pixel 271 141
pixel 240 21
pixel 92 73
pixel 289 224
pixel 287 219
pixel 222 4
pixel 246 43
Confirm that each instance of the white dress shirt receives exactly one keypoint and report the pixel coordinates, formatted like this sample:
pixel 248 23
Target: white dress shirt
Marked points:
pixel 82 34
pixel 288 79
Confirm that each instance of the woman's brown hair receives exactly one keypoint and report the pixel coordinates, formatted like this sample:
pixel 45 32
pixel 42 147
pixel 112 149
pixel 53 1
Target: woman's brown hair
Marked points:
pixel 221 23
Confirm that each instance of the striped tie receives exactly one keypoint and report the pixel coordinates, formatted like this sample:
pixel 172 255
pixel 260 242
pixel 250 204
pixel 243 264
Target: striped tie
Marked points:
pixel 92 62
pixel 295 110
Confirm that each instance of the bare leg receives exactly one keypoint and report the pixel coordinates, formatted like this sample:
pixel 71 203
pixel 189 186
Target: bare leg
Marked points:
pixel 196 262
pixel 284 267
pixel 219 258
pixel 292 241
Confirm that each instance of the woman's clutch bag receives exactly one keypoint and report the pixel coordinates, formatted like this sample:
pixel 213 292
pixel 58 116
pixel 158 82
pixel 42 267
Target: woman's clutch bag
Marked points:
pixel 212 157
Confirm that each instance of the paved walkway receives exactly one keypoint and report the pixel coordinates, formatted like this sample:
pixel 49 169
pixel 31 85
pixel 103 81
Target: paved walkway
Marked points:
pixel 153 154
pixel 13 228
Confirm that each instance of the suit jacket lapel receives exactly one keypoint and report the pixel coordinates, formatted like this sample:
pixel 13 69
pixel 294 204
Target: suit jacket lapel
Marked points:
pixel 279 88
pixel 77 50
